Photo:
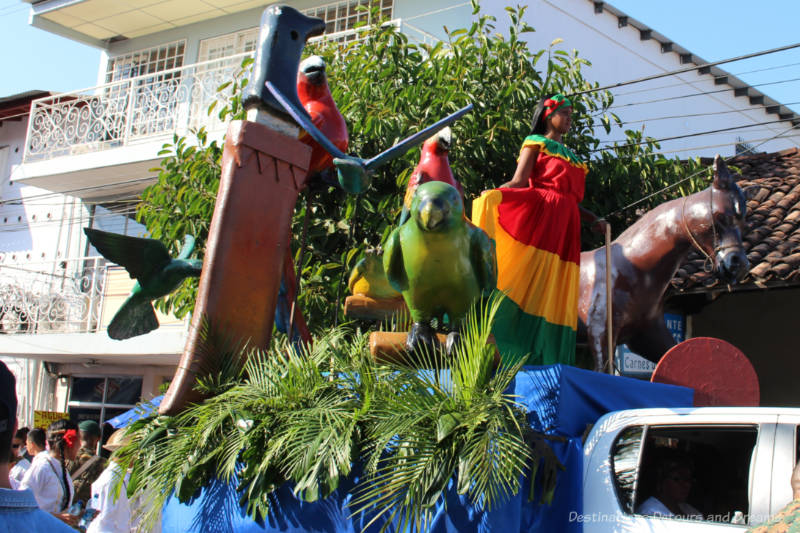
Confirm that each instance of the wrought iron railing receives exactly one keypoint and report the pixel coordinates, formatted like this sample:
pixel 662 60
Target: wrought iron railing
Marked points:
pixel 144 107
pixel 128 111
pixel 56 297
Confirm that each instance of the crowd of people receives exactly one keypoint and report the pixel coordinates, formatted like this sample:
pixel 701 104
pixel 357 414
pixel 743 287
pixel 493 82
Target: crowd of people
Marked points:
pixel 48 478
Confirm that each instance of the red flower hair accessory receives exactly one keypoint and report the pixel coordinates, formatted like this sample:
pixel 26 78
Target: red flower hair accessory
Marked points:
pixel 70 437
pixel 551 104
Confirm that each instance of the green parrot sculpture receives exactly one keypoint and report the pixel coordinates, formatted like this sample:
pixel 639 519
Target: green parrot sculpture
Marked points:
pixel 440 262
pixel 156 273
pixel 369 279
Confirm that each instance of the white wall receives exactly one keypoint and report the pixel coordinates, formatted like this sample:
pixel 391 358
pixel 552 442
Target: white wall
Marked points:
pixel 36 225
pixel 618 54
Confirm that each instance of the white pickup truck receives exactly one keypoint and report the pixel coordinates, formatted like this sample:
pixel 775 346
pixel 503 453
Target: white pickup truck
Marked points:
pixel 742 459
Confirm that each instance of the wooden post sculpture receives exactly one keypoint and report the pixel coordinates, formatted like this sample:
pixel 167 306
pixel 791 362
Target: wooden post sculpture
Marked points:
pixel 263 169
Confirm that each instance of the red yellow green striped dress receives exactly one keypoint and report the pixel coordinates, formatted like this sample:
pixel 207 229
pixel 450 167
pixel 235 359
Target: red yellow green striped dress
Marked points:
pixel 537 233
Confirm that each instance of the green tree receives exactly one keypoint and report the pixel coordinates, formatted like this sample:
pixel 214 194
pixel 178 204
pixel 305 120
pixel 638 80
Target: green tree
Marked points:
pixel 388 87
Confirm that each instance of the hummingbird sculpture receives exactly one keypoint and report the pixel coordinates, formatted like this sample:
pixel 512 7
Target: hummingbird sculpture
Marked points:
pixel 156 274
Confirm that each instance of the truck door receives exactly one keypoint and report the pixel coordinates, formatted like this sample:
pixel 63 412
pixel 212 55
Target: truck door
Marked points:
pixel 719 468
pixel 787 450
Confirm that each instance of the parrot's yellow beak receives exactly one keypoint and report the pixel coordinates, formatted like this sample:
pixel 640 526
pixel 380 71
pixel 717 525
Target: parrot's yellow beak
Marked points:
pixel 431 214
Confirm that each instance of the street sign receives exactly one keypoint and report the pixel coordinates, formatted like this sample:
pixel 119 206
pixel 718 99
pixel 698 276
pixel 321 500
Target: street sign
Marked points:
pixel 632 365
pixel 42 419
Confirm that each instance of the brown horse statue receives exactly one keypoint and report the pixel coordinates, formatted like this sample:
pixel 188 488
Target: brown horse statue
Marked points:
pixel 644 259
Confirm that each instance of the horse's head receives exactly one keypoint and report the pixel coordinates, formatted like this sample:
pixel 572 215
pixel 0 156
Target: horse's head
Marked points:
pixel 728 209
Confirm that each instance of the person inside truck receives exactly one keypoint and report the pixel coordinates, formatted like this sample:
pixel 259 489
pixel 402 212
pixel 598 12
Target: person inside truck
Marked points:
pixel 674 479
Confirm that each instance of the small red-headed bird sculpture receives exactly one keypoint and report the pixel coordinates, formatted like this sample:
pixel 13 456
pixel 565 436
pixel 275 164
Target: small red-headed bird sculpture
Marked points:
pixel 315 95
pixel 433 166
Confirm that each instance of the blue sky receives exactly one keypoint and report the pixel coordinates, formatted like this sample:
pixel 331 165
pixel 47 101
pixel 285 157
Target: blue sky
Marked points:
pixel 36 59
pixel 712 29
pixel 721 29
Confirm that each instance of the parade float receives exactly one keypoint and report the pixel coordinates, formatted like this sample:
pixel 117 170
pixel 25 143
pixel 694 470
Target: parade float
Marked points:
pixel 426 427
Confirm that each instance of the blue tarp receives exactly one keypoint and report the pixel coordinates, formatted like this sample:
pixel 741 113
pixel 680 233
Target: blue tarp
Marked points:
pixel 140 411
pixel 561 401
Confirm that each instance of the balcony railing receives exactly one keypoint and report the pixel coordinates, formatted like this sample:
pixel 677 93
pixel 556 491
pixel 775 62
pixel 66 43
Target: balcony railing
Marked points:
pixel 53 297
pixel 143 108
pixel 128 111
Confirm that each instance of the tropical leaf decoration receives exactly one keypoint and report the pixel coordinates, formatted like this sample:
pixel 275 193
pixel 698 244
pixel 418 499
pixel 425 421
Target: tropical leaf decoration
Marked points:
pixel 306 415
pixel 431 427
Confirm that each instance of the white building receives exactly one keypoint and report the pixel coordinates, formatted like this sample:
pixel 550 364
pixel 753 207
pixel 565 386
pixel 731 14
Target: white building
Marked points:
pixel 81 158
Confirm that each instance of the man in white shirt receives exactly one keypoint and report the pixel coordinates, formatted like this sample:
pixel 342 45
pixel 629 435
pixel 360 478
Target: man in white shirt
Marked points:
pixel 44 478
pixel 114 512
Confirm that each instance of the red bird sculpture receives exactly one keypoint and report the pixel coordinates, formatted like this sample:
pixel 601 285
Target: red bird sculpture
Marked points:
pixel 433 166
pixel 315 95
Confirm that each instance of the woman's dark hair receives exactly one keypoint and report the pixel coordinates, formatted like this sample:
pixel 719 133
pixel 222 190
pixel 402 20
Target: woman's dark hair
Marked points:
pixel 21 434
pixel 38 437
pixel 55 439
pixel 538 123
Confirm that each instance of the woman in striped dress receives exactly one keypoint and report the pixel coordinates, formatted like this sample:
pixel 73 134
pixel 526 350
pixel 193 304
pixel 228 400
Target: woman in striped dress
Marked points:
pixel 535 222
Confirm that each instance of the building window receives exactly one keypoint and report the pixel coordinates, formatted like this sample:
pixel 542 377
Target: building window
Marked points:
pixel 102 398
pixel 228 45
pixel 148 61
pixel 344 15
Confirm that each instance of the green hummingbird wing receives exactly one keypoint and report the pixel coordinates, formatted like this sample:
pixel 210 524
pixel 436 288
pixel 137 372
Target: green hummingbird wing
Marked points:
pixel 135 317
pixel 393 261
pixel 142 258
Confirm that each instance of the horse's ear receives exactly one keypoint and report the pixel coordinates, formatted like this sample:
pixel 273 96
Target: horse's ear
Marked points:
pixel 722 177
pixel 751 192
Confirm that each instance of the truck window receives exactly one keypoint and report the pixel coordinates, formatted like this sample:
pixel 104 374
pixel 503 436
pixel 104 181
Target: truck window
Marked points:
pixel 797 445
pixel 706 467
pixel 625 465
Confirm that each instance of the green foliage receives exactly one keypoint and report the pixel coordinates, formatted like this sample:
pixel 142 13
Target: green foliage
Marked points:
pixel 387 88
pixel 632 171
pixel 181 202
pixel 430 427
pixel 305 415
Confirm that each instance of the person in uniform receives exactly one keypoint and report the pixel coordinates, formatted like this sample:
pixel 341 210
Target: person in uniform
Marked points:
pixel 88 466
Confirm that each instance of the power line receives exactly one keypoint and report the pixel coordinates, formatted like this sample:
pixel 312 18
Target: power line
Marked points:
pixel 702 93
pixel 716 77
pixel 687 69
pixel 693 175
pixel 26 225
pixel 90 188
pixel 693 115
pixel 709 132
pixel 708 146
pixel 132 198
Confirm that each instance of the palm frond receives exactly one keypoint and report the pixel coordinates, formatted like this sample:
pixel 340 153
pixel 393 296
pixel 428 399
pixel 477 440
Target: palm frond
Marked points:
pixel 306 414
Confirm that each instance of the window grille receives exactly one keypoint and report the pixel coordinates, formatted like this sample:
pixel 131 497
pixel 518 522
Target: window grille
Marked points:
pixel 343 16
pixel 148 61
pixel 228 45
